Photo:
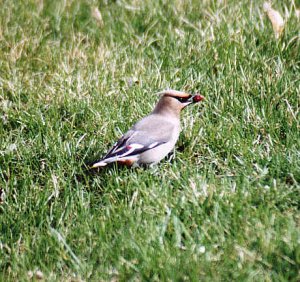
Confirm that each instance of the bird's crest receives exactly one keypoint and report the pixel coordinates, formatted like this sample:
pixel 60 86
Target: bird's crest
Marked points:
pixel 174 93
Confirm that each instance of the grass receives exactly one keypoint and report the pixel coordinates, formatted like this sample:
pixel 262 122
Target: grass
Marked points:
pixel 226 208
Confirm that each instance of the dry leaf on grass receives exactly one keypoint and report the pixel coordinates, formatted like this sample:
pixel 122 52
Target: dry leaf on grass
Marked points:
pixel 275 18
pixel 97 16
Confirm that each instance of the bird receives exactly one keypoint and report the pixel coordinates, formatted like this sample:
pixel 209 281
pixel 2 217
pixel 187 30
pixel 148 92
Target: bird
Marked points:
pixel 151 139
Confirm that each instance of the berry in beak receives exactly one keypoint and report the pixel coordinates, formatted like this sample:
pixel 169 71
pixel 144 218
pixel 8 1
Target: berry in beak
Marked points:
pixel 197 98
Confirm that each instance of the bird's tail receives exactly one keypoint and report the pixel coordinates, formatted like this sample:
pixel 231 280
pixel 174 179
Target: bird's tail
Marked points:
pixel 129 160
pixel 101 163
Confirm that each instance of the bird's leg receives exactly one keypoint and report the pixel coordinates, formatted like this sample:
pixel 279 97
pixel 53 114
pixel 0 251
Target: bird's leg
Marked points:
pixel 171 155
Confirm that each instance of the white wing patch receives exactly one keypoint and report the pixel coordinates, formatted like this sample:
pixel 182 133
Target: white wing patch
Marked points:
pixel 152 145
pixel 131 148
pixel 136 146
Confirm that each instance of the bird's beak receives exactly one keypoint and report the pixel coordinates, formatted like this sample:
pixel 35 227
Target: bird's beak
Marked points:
pixel 195 98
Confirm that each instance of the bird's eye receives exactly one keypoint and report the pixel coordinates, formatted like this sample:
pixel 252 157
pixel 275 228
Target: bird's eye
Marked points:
pixel 182 99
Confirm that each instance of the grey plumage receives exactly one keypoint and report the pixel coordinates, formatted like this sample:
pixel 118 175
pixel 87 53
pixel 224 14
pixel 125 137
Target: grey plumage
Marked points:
pixel 154 136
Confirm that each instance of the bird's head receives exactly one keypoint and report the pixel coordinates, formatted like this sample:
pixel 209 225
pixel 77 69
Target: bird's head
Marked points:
pixel 175 101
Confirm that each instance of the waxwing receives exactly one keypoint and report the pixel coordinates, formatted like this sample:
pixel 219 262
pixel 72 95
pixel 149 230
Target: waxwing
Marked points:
pixel 154 136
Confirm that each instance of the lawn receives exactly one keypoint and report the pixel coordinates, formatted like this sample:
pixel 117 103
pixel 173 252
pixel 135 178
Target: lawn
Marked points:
pixel 224 208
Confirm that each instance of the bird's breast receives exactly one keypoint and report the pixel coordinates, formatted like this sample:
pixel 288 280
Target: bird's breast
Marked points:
pixel 158 153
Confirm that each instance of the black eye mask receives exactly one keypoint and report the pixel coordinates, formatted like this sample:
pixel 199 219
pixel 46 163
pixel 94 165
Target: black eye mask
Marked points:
pixel 183 99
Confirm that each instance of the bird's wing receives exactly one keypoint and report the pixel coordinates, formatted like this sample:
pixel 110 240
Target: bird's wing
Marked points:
pixel 133 143
pixel 145 135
